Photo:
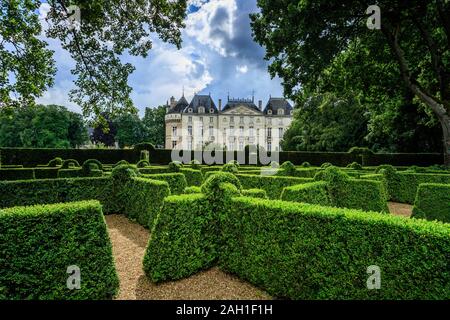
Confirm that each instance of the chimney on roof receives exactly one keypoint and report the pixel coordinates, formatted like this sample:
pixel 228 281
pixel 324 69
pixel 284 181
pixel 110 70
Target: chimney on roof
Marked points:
pixel 173 102
pixel 260 104
pixel 220 105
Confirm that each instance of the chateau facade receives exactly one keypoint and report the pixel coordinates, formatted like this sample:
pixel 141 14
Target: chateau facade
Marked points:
pixel 201 124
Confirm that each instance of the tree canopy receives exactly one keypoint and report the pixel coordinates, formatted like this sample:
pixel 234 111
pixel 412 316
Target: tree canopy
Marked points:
pixel 105 32
pixel 407 60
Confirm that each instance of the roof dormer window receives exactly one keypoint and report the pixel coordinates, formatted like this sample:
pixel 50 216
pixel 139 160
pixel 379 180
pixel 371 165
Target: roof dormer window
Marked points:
pixel 280 112
pixel 190 110
pixel 201 110
pixel 269 112
pixel 211 110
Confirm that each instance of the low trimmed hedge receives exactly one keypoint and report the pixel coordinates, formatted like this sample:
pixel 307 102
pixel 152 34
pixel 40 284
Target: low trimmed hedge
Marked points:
pixel 313 193
pixel 193 177
pixel 303 251
pixel 16 174
pixel 46 173
pixel 184 239
pixel 177 181
pixel 254 193
pixel 154 170
pixel 39 243
pixel 432 202
pixel 273 185
pixel 192 189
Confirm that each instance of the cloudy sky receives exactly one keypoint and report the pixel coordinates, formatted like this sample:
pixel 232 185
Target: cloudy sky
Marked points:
pixel 218 56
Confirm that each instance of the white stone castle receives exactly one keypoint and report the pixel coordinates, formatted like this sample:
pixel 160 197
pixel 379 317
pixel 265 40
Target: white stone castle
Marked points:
pixel 199 125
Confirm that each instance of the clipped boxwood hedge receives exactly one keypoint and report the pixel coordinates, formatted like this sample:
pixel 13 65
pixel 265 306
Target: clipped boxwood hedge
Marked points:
pixel 314 193
pixel 273 185
pixel 303 251
pixel 177 181
pixel 432 202
pixel 16 174
pixel 254 193
pixel 184 239
pixel 39 243
pixel 193 177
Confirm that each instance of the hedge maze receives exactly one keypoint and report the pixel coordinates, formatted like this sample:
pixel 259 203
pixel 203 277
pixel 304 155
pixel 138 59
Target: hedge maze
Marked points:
pixel 298 231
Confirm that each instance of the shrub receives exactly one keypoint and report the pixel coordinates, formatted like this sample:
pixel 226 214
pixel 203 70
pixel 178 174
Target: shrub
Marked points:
pixel 432 202
pixel 70 163
pixel 175 166
pixel 212 186
pixel 355 166
pixel 273 185
pixel 184 239
pixel 390 169
pixel 145 155
pixel 17 174
pixel 144 146
pixel 314 193
pixel 235 162
pixel 303 251
pixel 306 164
pixel 360 151
pixel 417 169
pixel 57 162
pixel 70 173
pixel 193 177
pixel 195 164
pixel 52 238
pixel 177 181
pixel 288 168
pixel 121 163
pixel 255 193
pixel 143 164
pixel 154 170
pixel 192 190
pixel 326 165
pixel 230 167
pixel 90 166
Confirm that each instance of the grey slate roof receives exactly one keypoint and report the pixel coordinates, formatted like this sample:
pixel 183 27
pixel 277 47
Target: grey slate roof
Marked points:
pixel 180 106
pixel 232 103
pixel 275 104
pixel 201 101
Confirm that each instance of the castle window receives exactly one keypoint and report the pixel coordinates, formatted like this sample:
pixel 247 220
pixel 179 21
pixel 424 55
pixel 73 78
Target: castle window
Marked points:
pixel 269 112
pixel 269 132
pixel 190 110
pixel 232 119
pixel 280 132
pixel 190 130
pixel 251 132
pixel 174 131
pixel 201 110
pixel 189 145
pixel 241 120
pixel 211 119
pixel 280 112
pixel 174 144
pixel 241 131
pixel 211 110
pixel 190 119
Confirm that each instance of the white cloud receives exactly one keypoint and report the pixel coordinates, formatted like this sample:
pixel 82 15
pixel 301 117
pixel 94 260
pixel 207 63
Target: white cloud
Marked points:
pixel 242 68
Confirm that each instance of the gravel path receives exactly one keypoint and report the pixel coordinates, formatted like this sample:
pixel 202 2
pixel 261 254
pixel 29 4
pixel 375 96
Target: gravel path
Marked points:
pixel 400 209
pixel 129 241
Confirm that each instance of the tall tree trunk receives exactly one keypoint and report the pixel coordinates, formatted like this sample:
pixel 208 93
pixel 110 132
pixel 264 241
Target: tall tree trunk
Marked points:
pixel 445 122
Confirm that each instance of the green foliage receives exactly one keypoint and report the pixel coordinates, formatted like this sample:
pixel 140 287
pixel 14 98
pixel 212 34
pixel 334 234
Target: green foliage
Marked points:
pixel 313 193
pixel 192 190
pixel 121 163
pixel 57 162
pixel 143 164
pixel 91 165
pixel 355 166
pixel 177 181
pixel 305 164
pixel 184 239
pixel 17 174
pixel 254 193
pixel 41 127
pixel 273 185
pixel 46 173
pixel 130 130
pixel 212 185
pixel 230 167
pixel 122 173
pixel 70 163
pixel 154 125
pixel 175 166
pixel 326 165
pixel 360 150
pixel 303 251
pixel 288 168
pixel 141 199
pixel 235 162
pixel 193 177
pixel 417 169
pixel 432 202
pixel 34 265
pixel 70 173
pixel 195 164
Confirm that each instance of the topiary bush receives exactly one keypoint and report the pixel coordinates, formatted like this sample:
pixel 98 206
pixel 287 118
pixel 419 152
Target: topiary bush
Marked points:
pixel 235 162
pixel 175 166
pixel 326 165
pixel 254 193
pixel 274 165
pixel 230 167
pixel 123 173
pixel 90 166
pixel 304 251
pixel 34 265
pixel 211 186
pixel 355 166
pixel 305 164
pixel 177 181
pixel 288 168
pixel 143 164
pixel 70 163
pixel 193 177
pixel 145 155
pixel 195 164
pixel 57 162
pixel 121 163
pixel 432 202
pixel 313 193
pixel 192 190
